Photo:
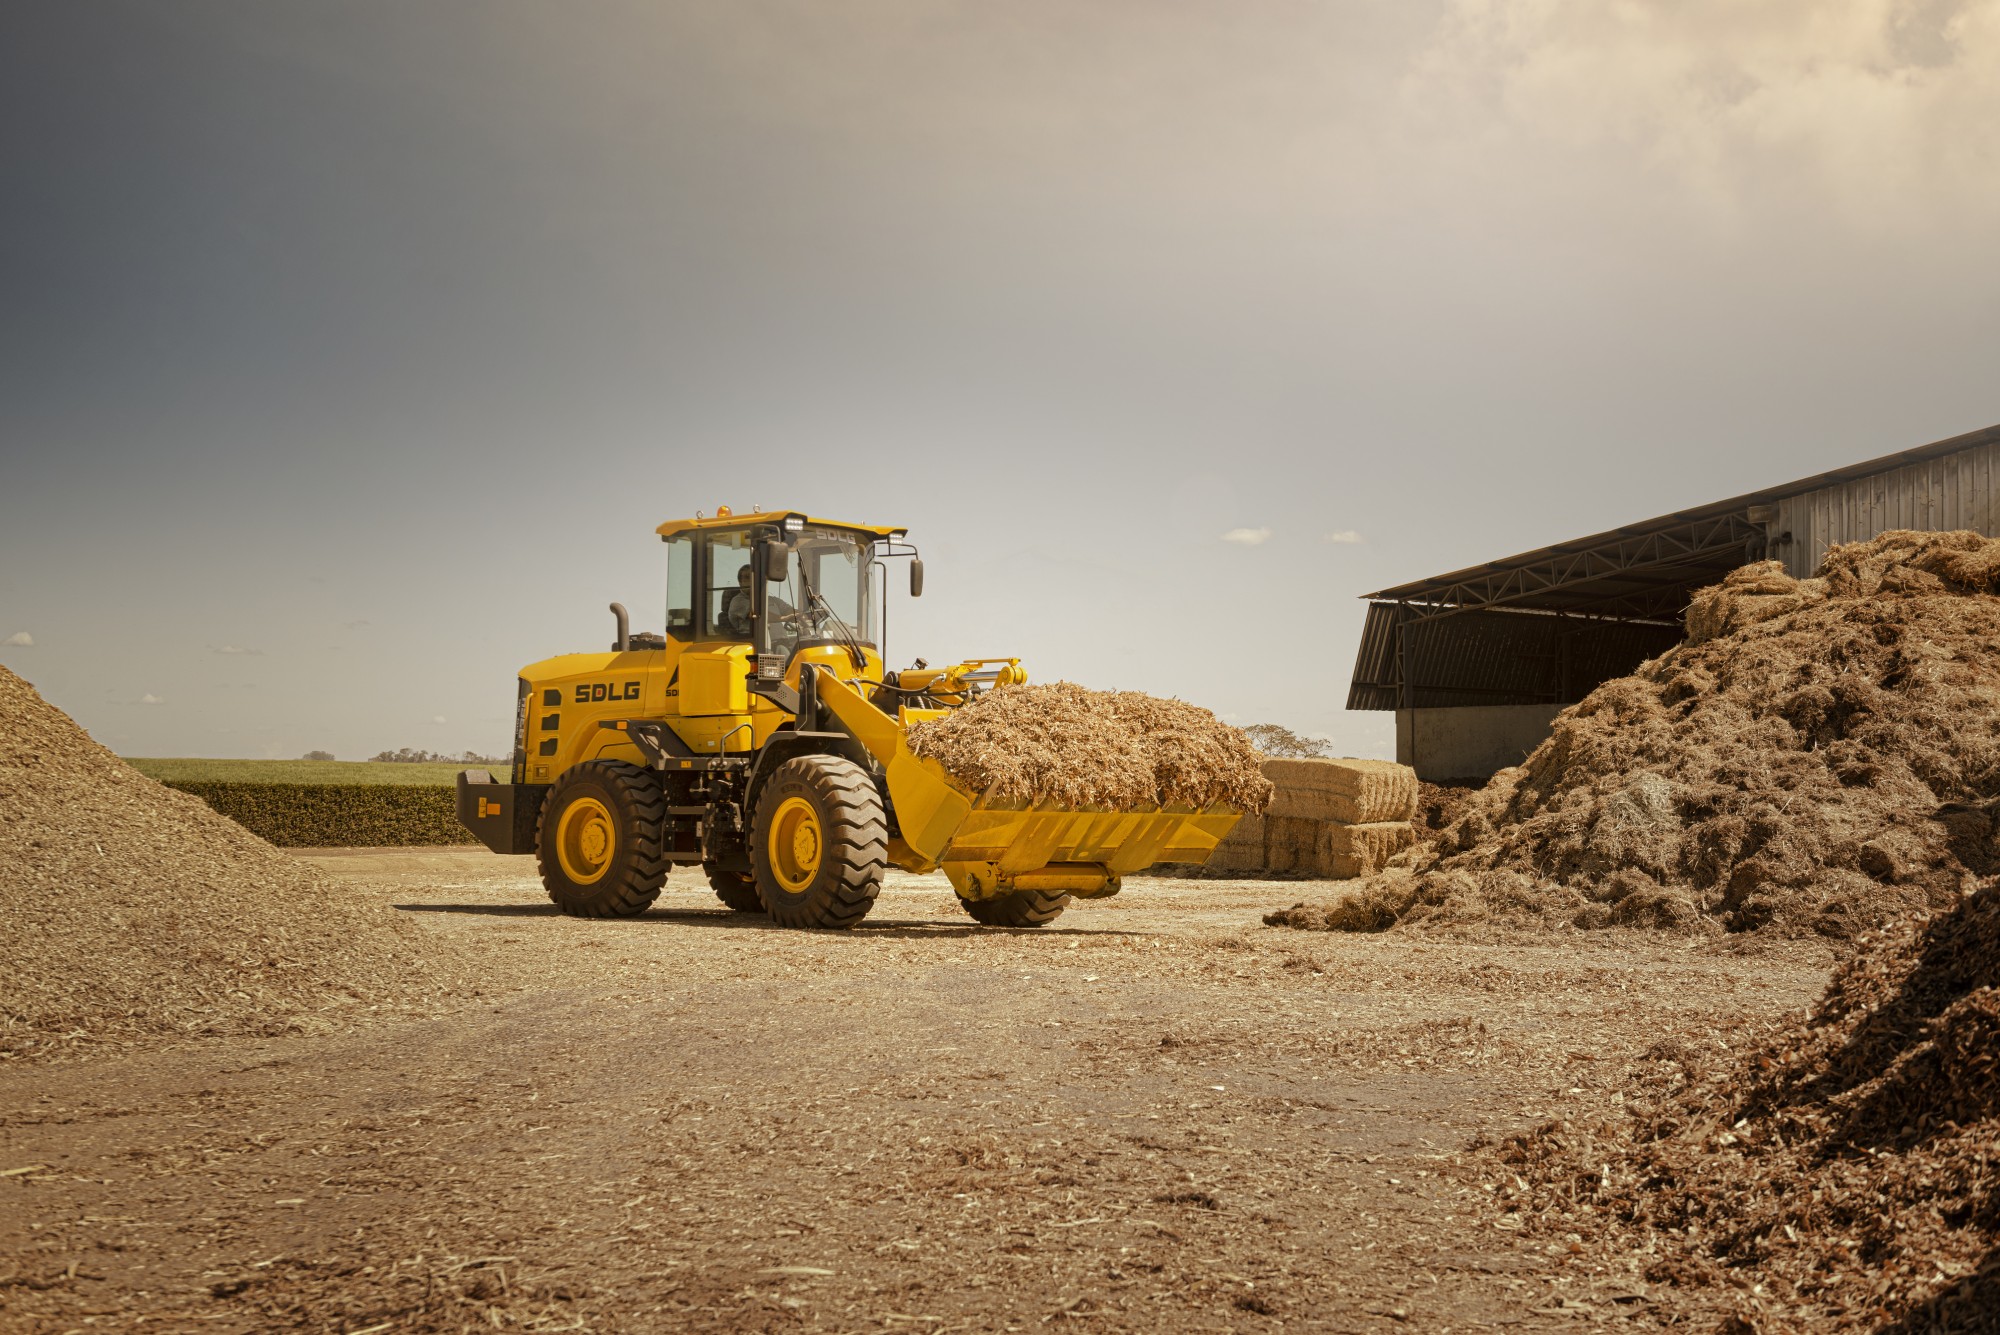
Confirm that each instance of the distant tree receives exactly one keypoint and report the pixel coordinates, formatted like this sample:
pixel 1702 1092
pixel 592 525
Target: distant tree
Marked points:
pixel 318 755
pixel 1275 739
pixel 412 756
pixel 409 756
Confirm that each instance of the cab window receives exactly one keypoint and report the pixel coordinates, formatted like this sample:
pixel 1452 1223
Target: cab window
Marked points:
pixel 680 587
pixel 726 597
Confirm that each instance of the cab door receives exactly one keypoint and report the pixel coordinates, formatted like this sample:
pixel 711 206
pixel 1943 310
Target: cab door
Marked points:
pixel 709 702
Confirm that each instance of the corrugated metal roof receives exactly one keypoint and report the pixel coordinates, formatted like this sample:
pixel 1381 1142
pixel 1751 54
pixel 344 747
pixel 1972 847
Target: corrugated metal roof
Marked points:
pixel 1375 672
pixel 1636 569
pixel 1548 626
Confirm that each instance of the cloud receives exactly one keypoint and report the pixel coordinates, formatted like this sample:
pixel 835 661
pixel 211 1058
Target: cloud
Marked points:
pixel 20 639
pixel 1248 537
pixel 234 649
pixel 1881 111
pixel 437 718
pixel 150 699
pixel 1345 535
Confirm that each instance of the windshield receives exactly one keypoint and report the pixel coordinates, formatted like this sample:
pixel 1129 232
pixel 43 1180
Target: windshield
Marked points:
pixel 828 595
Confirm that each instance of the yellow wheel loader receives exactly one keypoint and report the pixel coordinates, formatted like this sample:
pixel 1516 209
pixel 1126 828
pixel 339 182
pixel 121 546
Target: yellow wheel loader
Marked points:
pixel 761 739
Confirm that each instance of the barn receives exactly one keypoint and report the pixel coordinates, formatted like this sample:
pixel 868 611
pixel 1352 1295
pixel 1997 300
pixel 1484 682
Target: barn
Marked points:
pixel 1476 663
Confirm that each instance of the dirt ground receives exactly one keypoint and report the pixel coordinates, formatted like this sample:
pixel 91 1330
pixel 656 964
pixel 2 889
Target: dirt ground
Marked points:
pixel 1157 1115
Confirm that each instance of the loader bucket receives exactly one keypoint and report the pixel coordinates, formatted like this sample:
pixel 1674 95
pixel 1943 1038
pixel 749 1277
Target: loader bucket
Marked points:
pixel 993 847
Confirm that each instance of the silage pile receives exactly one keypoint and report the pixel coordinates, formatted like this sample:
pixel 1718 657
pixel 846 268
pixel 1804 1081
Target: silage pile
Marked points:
pixel 1844 1172
pixel 128 910
pixel 1820 755
pixel 1081 748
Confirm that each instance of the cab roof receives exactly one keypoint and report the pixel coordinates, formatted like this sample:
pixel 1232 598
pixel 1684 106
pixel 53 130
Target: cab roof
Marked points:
pixel 701 524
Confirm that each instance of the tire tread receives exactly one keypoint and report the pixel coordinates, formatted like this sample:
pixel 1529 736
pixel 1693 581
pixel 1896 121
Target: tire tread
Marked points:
pixel 857 839
pixel 634 887
pixel 1017 908
pixel 739 893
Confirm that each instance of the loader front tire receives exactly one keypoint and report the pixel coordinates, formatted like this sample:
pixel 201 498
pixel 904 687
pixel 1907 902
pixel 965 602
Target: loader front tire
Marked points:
pixel 735 890
pixel 1017 908
pixel 819 843
pixel 598 843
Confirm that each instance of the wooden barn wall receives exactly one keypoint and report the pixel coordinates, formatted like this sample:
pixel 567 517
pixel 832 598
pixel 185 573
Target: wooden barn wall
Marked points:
pixel 1956 491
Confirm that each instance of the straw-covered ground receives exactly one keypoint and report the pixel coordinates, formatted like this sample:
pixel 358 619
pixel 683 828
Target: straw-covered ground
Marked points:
pixel 1156 1115
pixel 1840 1171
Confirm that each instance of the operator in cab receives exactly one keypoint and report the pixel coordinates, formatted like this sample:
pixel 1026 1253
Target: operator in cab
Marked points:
pixel 736 615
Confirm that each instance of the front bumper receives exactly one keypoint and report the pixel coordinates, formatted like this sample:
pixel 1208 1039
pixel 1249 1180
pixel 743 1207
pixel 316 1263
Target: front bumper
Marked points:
pixel 503 815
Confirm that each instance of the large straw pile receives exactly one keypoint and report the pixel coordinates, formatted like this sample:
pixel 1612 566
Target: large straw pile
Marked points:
pixel 1843 1172
pixel 129 910
pixel 1821 755
pixel 1095 749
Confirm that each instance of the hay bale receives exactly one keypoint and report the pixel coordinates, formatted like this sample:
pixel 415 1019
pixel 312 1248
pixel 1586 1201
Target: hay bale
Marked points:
pixel 1248 833
pixel 1362 850
pixel 1248 862
pixel 1095 750
pixel 1356 792
pixel 1298 846
pixel 1294 845
pixel 1242 849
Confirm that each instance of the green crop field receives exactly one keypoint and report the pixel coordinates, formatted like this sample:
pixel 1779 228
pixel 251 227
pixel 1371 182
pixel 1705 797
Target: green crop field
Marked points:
pixel 338 772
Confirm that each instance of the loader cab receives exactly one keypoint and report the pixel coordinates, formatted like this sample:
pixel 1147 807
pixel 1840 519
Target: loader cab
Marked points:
pixel 779 583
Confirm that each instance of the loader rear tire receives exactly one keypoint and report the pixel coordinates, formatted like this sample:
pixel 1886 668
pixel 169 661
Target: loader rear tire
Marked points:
pixel 737 891
pixel 598 843
pixel 819 843
pixel 1018 908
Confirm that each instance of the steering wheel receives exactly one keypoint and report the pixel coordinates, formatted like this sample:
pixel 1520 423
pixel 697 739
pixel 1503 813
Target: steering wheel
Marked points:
pixel 806 621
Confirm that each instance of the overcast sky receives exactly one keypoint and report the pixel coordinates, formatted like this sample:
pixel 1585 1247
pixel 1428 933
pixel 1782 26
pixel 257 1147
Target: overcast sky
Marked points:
pixel 349 353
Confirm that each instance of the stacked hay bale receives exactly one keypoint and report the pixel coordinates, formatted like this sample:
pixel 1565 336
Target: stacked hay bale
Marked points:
pixel 1344 818
pixel 1241 854
pixel 1329 819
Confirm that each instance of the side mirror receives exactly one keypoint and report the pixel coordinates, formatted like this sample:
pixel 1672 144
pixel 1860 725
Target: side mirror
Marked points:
pixel 916 577
pixel 777 561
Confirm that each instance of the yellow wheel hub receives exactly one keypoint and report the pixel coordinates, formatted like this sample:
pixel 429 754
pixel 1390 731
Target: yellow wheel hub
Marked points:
pixel 796 844
pixel 586 839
